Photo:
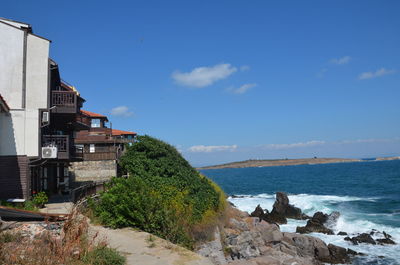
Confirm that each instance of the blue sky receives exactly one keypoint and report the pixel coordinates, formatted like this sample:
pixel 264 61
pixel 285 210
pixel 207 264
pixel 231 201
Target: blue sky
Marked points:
pixel 232 80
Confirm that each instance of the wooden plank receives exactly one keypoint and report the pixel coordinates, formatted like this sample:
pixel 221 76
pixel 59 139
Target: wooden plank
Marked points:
pixel 12 214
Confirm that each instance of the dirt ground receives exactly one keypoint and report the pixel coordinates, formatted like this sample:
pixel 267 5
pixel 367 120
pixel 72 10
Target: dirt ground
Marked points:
pixel 141 248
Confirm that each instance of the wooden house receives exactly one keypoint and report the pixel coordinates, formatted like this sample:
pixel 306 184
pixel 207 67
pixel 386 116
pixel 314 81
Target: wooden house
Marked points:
pixel 102 147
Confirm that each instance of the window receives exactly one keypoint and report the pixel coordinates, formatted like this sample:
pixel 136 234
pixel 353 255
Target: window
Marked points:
pixel 92 148
pixel 95 123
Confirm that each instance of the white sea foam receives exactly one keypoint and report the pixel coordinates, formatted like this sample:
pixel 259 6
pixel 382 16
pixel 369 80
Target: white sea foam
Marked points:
pixel 348 222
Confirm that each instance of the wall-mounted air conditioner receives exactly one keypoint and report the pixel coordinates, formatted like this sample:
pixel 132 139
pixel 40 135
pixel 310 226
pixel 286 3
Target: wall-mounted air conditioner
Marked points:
pixel 49 152
pixel 45 117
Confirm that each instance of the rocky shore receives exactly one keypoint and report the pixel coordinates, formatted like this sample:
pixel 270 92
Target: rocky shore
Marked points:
pixel 256 238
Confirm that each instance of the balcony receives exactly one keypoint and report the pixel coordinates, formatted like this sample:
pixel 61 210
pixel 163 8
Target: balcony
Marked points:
pixel 65 149
pixel 100 156
pixel 65 101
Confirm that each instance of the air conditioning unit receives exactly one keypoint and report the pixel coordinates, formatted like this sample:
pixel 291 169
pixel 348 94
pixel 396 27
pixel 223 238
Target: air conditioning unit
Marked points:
pixel 49 152
pixel 45 117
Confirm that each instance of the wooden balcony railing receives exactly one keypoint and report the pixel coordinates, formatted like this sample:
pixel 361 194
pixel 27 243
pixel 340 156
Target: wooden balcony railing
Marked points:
pixel 65 149
pixel 100 156
pixel 61 142
pixel 64 101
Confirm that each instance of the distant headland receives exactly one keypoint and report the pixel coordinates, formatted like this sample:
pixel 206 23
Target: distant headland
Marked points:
pixel 292 162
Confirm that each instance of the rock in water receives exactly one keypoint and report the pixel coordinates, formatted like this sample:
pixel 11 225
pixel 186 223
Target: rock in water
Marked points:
pixel 282 207
pixel 362 238
pixel 383 241
pixel 386 240
pixel 386 235
pixel 316 224
pixel 282 210
pixel 275 218
pixel 258 212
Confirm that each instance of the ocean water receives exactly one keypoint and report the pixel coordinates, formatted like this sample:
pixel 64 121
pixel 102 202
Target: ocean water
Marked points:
pixel 367 194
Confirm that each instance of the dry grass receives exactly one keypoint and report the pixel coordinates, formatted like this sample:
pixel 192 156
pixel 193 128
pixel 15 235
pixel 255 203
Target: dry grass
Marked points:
pixel 205 231
pixel 70 247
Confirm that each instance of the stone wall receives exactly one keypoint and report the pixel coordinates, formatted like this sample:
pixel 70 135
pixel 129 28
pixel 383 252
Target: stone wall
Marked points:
pixel 93 170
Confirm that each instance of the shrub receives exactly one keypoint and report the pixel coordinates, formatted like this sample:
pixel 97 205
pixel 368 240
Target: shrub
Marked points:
pixel 27 205
pixel 30 206
pixel 40 199
pixel 103 255
pixel 163 195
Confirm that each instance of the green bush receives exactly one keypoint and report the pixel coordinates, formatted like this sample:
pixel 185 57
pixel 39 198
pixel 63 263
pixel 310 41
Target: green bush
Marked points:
pixel 163 195
pixel 30 206
pixel 27 205
pixel 103 255
pixel 40 199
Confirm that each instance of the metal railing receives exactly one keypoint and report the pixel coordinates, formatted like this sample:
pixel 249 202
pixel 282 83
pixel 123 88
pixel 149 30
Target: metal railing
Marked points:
pixel 86 190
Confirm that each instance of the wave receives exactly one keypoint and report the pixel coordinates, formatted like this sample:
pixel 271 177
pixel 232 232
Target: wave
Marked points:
pixel 309 203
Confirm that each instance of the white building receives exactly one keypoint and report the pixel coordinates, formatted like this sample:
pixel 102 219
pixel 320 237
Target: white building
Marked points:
pixel 38 109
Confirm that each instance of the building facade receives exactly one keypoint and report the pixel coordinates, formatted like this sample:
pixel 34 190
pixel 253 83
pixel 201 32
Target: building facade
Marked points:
pixel 102 147
pixel 39 116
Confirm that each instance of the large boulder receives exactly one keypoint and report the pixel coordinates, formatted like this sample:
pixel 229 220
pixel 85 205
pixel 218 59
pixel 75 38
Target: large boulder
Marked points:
pixel 386 240
pixel 270 233
pixel 275 218
pixel 336 255
pixel 282 210
pixel 246 238
pixel 213 249
pixel 316 224
pixel 258 212
pixel 276 257
pixel 367 238
pixel 307 245
pixel 311 246
pixel 361 238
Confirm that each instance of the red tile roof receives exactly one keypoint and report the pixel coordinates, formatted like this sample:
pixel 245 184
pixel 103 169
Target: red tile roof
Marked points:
pixel 3 104
pixel 119 132
pixel 92 114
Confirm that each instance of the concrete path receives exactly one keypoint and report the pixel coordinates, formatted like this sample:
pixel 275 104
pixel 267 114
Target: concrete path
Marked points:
pixel 141 248
pixel 60 207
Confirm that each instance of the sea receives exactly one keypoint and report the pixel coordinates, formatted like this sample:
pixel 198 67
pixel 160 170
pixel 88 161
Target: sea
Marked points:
pixel 367 195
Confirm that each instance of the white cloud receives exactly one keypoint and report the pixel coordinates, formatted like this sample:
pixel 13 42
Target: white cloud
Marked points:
pixel 203 76
pixel 122 111
pixel 372 140
pixel 244 68
pixel 212 148
pixel 342 60
pixel 377 73
pixel 294 145
pixel 322 72
pixel 242 89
